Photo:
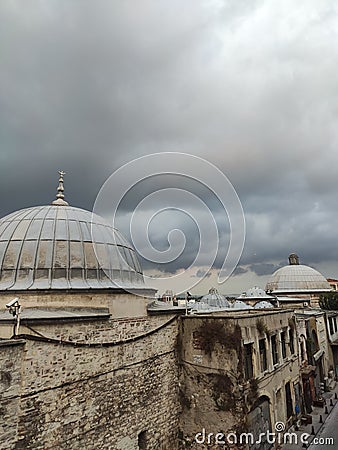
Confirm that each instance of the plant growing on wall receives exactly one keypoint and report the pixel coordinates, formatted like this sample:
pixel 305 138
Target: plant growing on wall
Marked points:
pixel 292 323
pixel 261 327
pixel 252 395
pixel 212 332
pixel 329 301
pixel 185 401
pixel 222 392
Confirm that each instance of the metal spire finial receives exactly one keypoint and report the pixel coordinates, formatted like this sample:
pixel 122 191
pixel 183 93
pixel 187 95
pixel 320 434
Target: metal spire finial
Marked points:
pixel 59 196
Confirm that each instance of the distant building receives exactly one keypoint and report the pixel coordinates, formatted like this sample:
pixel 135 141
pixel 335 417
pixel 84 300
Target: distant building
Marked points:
pixel 297 281
pixel 168 296
pixel 240 371
pixel 333 283
pixel 89 359
pixel 87 366
pixel 214 299
pixel 254 295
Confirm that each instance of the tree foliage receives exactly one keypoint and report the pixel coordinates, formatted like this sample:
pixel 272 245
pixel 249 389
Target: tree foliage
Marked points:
pixel 329 301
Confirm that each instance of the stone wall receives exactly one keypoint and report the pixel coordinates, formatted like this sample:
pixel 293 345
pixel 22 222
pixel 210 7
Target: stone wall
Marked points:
pixel 119 303
pixel 217 395
pixel 98 330
pixel 11 357
pixel 210 378
pixel 159 380
pixel 77 396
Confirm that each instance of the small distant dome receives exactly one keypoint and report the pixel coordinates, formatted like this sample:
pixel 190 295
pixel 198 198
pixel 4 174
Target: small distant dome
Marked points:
pixel 198 306
pixel 238 304
pixel 297 278
pixel 255 293
pixel 263 304
pixel 214 299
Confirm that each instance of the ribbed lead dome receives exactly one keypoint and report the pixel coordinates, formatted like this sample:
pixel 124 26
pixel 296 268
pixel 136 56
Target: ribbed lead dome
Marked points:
pixel 53 247
pixel 298 279
pixel 214 299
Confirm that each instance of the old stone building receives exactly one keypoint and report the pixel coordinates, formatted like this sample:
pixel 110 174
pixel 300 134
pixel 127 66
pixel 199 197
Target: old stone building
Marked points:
pixel 315 357
pixel 89 361
pixel 88 367
pixel 332 333
pixel 240 373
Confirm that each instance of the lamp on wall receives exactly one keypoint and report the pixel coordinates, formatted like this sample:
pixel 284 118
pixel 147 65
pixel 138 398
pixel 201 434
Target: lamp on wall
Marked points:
pixel 14 308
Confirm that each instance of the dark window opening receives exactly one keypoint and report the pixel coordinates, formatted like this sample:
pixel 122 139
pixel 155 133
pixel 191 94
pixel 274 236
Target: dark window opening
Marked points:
pixel 274 350
pixel 289 408
pixel 331 325
pixel 142 440
pixel 283 343
pixel 292 347
pixel 248 367
pixel 262 355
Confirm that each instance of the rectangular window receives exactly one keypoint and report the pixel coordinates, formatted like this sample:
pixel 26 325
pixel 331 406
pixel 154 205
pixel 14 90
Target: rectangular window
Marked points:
pixel 283 343
pixel 274 350
pixel 288 398
pixel 262 355
pixel 331 325
pixel 248 367
pixel 292 346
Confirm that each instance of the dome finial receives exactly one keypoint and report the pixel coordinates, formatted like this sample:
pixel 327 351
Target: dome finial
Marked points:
pixel 293 259
pixel 59 196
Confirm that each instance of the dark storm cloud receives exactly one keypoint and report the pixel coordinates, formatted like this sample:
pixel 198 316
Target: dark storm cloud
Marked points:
pixel 251 86
pixel 263 269
pixel 239 270
pixel 202 274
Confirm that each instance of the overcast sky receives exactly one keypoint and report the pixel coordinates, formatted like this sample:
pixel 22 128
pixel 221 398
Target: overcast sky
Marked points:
pixel 251 86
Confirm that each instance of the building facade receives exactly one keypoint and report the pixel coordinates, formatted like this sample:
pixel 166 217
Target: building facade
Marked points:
pixel 240 373
pixel 88 360
pixel 82 363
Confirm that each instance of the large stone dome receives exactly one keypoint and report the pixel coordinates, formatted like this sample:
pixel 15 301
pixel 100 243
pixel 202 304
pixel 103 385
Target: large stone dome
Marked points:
pixel 62 247
pixel 297 278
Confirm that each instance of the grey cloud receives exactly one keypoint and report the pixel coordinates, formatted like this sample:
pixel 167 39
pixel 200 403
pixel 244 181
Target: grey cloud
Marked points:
pixel 263 268
pixel 250 86
pixel 202 274
pixel 240 270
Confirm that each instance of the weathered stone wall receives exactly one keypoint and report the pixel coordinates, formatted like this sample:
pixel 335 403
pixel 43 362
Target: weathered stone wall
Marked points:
pixel 11 357
pixel 216 395
pixel 119 304
pixel 94 331
pixel 77 386
pixel 76 396
pixel 210 378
